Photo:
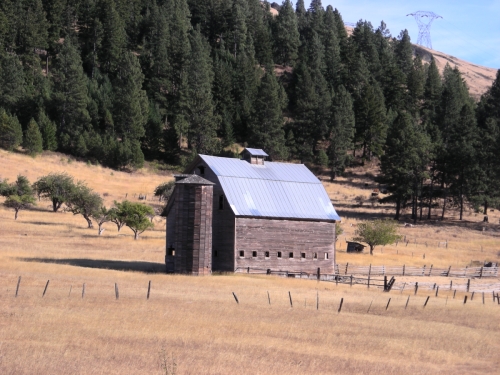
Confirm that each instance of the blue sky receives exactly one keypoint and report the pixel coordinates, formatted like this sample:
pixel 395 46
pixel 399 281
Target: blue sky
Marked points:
pixel 469 30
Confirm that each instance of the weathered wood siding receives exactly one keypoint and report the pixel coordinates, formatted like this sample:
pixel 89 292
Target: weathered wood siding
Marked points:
pixel 302 238
pixel 223 222
pixel 192 230
pixel 170 241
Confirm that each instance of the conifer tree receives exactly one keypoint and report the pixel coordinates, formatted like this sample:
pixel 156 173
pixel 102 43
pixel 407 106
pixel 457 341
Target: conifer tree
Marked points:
pixel 33 142
pixel 130 107
pixel 432 93
pixel 200 106
pixel 70 94
pixel 286 36
pixel 266 126
pixel 48 130
pixel 404 163
pixel 404 52
pixel 31 29
pixel 223 99
pixel 371 124
pixel 11 133
pixel 333 65
pixel 12 83
pixel 114 38
pixel 341 131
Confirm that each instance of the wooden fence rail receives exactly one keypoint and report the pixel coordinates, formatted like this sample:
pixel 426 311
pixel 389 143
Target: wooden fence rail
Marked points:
pixel 467 272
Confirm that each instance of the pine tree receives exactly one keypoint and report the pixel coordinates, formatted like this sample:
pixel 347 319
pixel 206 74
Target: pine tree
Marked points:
pixel 12 83
pixel 404 52
pixel 416 83
pixel 130 107
pixel 31 29
pixel 286 36
pixel 48 130
pixel 432 93
pixel 114 38
pixel 11 133
pixel 341 131
pixel 223 99
pixel 33 142
pixel 333 65
pixel 371 124
pixel 266 126
pixel 70 94
pixel 200 106
pixel 404 163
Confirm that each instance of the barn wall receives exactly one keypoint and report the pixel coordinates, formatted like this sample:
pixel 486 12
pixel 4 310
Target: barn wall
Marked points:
pixel 223 222
pixel 170 241
pixel 287 236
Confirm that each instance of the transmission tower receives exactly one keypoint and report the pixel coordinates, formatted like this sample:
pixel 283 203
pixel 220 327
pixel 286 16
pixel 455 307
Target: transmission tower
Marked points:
pixel 424 22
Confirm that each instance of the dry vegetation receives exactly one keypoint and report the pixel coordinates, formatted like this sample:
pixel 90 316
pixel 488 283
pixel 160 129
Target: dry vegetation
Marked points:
pixel 196 320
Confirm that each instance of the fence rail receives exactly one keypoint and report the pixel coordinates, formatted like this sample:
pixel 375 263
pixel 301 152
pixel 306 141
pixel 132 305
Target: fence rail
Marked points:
pixel 467 272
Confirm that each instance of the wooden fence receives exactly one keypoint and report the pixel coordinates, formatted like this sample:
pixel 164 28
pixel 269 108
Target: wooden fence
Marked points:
pixel 467 272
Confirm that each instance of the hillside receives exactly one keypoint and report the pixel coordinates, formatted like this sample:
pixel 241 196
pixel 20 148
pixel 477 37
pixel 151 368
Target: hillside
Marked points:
pixel 478 78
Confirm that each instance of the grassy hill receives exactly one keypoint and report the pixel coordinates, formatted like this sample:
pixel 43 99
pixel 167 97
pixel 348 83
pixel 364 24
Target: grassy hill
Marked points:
pixel 195 323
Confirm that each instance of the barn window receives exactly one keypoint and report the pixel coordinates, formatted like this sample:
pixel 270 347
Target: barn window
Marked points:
pixel 215 254
pixel 221 202
pixel 326 256
pixel 279 254
pixel 290 255
pixel 303 255
pixel 254 254
pixel 201 168
pixel 242 254
pixel 171 251
pixel 266 254
pixel 315 256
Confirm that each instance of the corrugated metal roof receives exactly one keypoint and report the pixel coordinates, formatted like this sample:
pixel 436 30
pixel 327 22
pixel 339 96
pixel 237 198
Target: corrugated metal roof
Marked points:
pixel 255 151
pixel 272 190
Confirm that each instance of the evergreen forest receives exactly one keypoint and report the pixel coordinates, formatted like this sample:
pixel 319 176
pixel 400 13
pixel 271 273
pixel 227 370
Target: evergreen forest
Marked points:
pixel 117 82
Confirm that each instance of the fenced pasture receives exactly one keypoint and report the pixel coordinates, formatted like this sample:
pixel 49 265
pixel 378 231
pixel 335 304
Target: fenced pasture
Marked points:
pixel 279 325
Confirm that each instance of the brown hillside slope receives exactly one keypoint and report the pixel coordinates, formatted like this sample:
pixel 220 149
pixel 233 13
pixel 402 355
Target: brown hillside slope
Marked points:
pixel 478 78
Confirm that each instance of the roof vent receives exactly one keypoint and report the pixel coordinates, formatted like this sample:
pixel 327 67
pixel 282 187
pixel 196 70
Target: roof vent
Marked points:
pixel 254 155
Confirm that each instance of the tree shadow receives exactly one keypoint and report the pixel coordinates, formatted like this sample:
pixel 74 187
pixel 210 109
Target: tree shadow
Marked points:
pixel 117 265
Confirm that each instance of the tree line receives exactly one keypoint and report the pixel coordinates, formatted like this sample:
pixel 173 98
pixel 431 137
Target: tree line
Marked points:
pixel 79 199
pixel 118 81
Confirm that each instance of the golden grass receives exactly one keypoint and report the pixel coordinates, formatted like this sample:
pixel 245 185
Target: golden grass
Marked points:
pixel 196 319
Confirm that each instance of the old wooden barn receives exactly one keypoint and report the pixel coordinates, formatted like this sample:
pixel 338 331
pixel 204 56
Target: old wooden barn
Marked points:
pixel 228 214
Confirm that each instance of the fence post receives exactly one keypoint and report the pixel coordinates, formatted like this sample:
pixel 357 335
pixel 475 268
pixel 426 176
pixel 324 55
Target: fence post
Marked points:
pixel 472 296
pixel 427 300
pixel 451 284
pixel 248 269
pixel 318 274
pixel 149 289
pixel 290 296
pixel 46 286
pixel 388 304
pixel 430 270
pixel 369 307
pixel 468 285
pixel 346 265
pixel 403 288
pixel 268 298
pixel 408 300
pixel 455 292
pixel 317 300
pixel 385 283
pixel 369 274
pixel 341 302
pixel 481 273
pixel 483 298
pixel 236 298
pixel 83 290
pixel 437 291
pixel 19 282
pixel 448 273
pixel 465 300
pixel 404 266
pixel 117 294
pixel 351 280
pixel 416 288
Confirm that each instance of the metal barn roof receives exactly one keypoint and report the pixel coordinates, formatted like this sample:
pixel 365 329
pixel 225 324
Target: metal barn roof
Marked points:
pixel 255 151
pixel 272 190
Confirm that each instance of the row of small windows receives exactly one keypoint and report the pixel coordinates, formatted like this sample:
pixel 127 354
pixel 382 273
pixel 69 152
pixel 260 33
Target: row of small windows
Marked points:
pixel 280 255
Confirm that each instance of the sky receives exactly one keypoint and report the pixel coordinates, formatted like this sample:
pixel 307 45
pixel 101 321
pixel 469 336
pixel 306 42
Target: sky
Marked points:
pixel 469 30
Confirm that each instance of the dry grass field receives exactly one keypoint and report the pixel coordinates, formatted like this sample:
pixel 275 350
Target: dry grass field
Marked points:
pixel 195 324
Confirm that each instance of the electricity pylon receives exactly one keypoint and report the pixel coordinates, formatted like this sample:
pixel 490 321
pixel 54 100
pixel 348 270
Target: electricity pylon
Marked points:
pixel 424 26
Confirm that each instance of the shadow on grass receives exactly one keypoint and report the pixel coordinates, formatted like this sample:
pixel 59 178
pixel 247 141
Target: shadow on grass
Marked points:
pixel 117 265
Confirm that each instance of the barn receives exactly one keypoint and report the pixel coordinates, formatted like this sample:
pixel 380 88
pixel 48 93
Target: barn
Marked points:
pixel 229 214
